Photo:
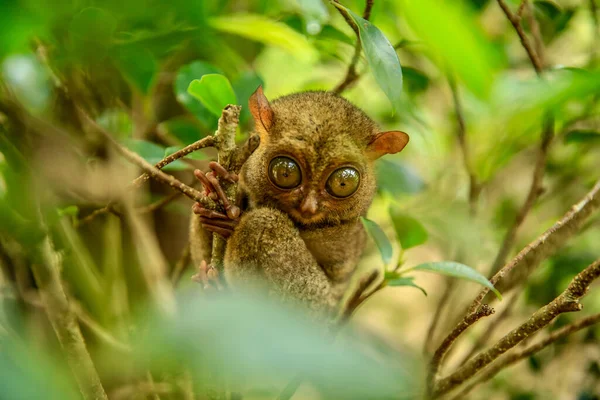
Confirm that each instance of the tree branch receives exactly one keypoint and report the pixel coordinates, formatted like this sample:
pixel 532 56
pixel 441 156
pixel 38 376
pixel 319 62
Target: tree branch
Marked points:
pixel 438 357
pixel 351 74
pixel 518 355
pixel 567 301
pixel 64 321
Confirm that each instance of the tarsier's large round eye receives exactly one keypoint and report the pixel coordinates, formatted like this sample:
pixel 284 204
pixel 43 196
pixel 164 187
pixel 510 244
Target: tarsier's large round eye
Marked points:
pixel 343 182
pixel 285 172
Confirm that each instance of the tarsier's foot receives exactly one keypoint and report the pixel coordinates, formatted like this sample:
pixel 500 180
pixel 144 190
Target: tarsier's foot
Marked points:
pixel 211 220
pixel 207 276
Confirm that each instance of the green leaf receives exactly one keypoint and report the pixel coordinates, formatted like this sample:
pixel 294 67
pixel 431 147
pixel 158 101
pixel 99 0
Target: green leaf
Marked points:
pixel 415 80
pixel 185 75
pixel 405 281
pixel 153 153
pixel 381 56
pixel 267 31
pixel 455 41
pixel 330 32
pixel 409 231
pixel 139 66
pixel 380 239
pixel 397 179
pixel 186 130
pixel 214 91
pixel 71 211
pixel 243 86
pixel 314 13
pixel 582 136
pixel 457 270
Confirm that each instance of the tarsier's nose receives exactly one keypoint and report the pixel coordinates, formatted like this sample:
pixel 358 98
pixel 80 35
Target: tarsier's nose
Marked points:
pixel 309 203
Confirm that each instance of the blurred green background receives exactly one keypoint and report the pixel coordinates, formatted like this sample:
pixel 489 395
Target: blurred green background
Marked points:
pixel 129 65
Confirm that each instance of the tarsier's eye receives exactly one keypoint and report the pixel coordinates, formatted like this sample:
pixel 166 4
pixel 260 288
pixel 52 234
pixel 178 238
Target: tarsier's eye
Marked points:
pixel 285 172
pixel 343 182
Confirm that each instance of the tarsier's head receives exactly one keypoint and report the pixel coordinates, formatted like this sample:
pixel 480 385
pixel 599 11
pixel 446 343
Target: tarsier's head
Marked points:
pixel 315 158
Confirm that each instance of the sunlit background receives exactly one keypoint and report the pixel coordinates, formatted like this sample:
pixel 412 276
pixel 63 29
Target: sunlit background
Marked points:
pixel 475 110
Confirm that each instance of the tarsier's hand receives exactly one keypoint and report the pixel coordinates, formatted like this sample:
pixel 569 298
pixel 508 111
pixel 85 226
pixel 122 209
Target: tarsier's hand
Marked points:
pixel 214 221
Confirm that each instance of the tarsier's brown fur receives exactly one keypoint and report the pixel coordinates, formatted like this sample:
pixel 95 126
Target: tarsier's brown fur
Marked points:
pixel 304 242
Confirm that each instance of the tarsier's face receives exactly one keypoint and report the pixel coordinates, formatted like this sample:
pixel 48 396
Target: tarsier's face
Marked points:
pixel 315 160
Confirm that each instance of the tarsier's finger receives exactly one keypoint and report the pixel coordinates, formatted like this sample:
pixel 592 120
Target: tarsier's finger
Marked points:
pixel 222 223
pixel 233 211
pixel 208 187
pixel 204 212
pixel 225 232
pixel 222 172
pixel 201 276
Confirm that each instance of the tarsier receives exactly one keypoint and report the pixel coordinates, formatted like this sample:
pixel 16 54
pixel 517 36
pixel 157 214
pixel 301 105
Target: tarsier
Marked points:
pixel 305 188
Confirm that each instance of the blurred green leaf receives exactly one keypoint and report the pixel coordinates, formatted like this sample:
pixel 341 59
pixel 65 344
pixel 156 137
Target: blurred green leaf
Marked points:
pixel 457 270
pixel 138 65
pixel 382 58
pixel 183 129
pixel 187 74
pixel 405 281
pixel 314 13
pixel 117 122
pixel 92 31
pixel 152 153
pixel 584 136
pixel 397 179
pixel 28 80
pixel 214 91
pixel 267 31
pixel 71 211
pixel 415 81
pixel 409 231
pixel 331 32
pixel 456 41
pixel 243 86
pixel 235 327
pixel 380 239
pixel 552 18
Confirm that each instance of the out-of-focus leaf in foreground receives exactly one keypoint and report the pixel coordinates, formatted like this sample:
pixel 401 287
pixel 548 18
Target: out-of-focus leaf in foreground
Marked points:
pixel 455 40
pixel 185 75
pixel 251 340
pixel 382 57
pixel 267 31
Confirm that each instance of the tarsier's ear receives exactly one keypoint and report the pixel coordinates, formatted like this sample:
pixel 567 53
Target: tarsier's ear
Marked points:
pixel 261 111
pixel 386 143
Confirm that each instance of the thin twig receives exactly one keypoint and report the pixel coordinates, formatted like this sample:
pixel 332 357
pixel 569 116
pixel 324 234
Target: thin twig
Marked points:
pixel 351 74
pixel 461 134
pixel 515 20
pixel 157 205
pixel 148 168
pixel 438 357
pixel 567 301
pixel 518 355
pixel 442 303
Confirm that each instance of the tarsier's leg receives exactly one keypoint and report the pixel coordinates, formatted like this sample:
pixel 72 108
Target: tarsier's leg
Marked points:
pixel 266 245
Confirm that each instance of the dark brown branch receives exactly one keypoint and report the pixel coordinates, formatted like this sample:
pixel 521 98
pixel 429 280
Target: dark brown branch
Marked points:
pixel 567 301
pixel 515 20
pixel 351 74
pixel 438 357
pixel 518 355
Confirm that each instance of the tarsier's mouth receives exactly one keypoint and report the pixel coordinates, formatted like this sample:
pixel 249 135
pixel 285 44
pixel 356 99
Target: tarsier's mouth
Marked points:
pixel 307 218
